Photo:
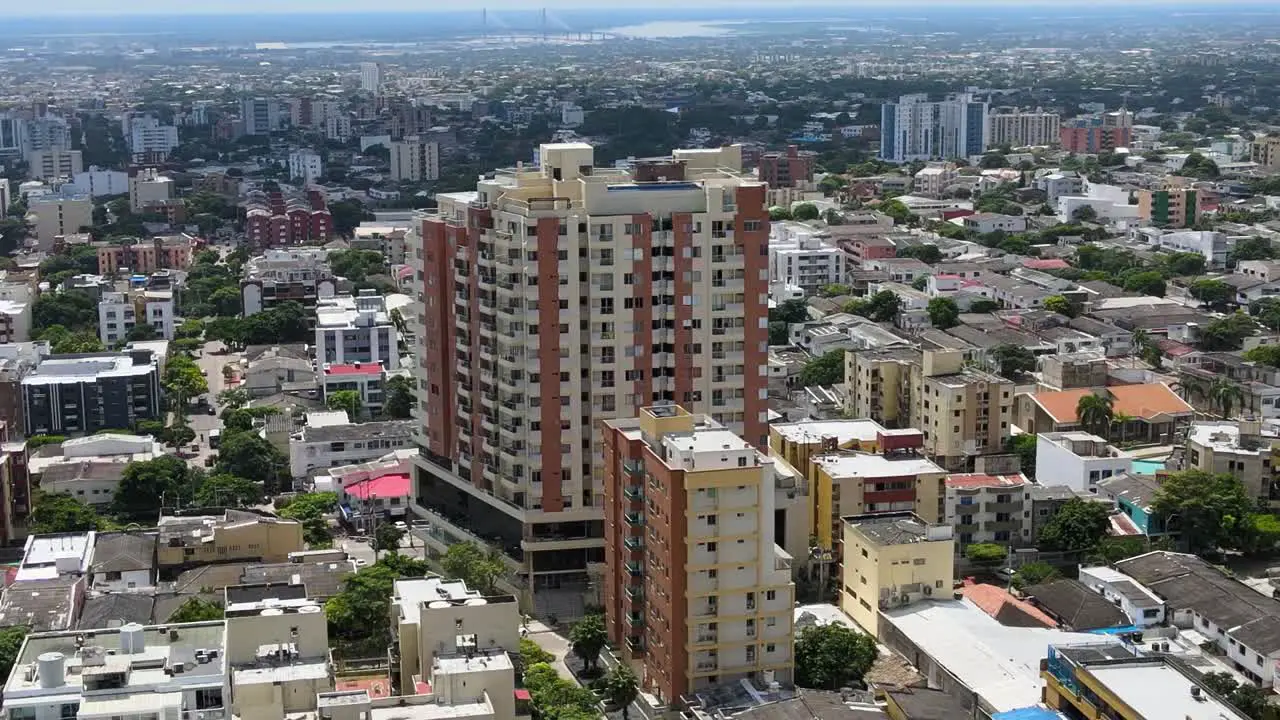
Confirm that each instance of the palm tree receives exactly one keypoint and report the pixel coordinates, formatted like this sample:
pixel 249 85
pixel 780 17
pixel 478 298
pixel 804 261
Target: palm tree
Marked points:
pixel 1122 419
pixel 1094 411
pixel 622 687
pixel 1140 340
pixel 1225 394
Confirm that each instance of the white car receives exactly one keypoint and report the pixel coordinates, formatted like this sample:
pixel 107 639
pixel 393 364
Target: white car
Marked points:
pixel 361 562
pixel 401 526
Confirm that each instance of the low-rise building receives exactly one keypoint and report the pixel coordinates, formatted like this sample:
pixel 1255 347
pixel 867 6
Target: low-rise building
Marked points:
pixel 84 394
pixel 892 560
pixel 987 222
pixel 1238 449
pixel 90 468
pixel 366 379
pixel 987 509
pixel 277 650
pixel 1156 413
pixel 1077 459
pixel 299 275
pixel 345 443
pixel 1110 679
pixel 1142 607
pixel 123 562
pixel 236 535
pixel 276 368
pixel 15 321
pixel 356 330
pixel 118 313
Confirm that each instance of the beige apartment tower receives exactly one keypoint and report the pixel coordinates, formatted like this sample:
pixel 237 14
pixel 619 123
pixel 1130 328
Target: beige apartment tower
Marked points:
pixel 415 159
pixel 558 296
pixel 1018 128
pixel 696 591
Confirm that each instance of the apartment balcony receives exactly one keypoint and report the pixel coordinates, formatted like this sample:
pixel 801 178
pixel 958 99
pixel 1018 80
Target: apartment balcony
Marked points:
pixel 1012 526
pixel 706 638
pixel 634 542
pixel 967 528
pixel 635 569
pixel 635 643
pixel 635 619
pixel 634 519
pixel 634 492
pixel 635 592
pixel 1008 507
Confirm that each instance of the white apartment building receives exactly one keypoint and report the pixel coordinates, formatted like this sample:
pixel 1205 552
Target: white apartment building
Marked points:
pixel 987 222
pixel 298 274
pixel 356 330
pixel 55 164
pixel 130 670
pixel 1022 128
pixel 6 198
pixel 1077 459
pixel 797 256
pixel 96 182
pixel 147 188
pixel 367 379
pixel 338 127
pixel 916 129
pixel 932 179
pixel 1059 184
pixel 119 312
pixel 15 321
pixel 306 165
pixel 46 133
pixel 147 136
pixel 415 159
pixel 57 214
pixel 13 130
pixel 434 620
pixel 571 115
pixel 371 77
pixel 987 509
pixel 326 445
pixel 593 292
pixel 260 116
pixel 1214 247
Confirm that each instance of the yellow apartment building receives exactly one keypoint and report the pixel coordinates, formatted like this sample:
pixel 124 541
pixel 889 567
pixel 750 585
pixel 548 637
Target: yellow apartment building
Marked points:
pixel 892 560
pixel 236 536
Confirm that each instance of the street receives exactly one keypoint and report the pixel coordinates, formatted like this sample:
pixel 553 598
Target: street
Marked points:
pixel 211 361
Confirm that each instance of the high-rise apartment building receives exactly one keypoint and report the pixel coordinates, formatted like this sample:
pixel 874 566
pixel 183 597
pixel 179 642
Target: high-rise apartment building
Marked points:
pixel 55 164
pixel 916 129
pixel 558 296
pixel 1264 150
pixel 12 131
pixel 1173 206
pixel 696 588
pixel 261 116
pixel 148 137
pixel 1022 128
pixel 962 411
pixel 306 165
pixel 1097 133
pixel 46 132
pixel 371 77
pixel 415 159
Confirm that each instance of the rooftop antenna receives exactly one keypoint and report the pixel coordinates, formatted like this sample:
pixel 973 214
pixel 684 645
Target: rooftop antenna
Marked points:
pixel 484 22
pixel 544 24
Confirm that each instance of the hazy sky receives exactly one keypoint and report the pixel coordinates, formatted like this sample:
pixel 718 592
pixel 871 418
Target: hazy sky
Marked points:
pixel 170 7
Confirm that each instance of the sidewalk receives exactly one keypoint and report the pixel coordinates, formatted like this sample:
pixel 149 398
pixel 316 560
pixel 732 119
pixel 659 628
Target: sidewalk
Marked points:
pixel 554 643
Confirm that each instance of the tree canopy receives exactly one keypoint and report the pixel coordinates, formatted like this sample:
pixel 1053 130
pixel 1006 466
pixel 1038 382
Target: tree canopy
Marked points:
pixel 829 657
pixel 61 513
pixel 1207 511
pixel 825 370
pixel 479 567
pixel 1078 525
pixel 196 610
pixel 588 637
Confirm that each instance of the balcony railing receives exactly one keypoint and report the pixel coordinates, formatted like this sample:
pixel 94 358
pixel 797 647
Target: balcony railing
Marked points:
pixel 634 542
pixel 634 492
pixel 635 569
pixel 634 519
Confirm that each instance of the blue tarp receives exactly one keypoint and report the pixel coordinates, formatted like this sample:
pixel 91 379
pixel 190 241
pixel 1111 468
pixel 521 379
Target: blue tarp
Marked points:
pixel 1115 630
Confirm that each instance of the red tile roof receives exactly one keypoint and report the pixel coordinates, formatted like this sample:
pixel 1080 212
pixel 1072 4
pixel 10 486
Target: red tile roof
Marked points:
pixel 1045 264
pixel 355 369
pixel 993 599
pixel 387 486
pixel 1139 401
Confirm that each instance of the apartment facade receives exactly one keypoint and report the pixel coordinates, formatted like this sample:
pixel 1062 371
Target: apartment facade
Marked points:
pixel 148 138
pixel 415 159
pixel 786 169
pixel 83 394
pixel 696 590
pixel 916 129
pixel 1022 128
pixel 356 330
pixel 961 411
pixel 172 252
pixel 983 508
pixel 54 215
pixel 118 313
pixel 278 276
pixel 1264 150
pixel 892 560
pixel 260 116
pixel 1171 207
pixel 148 189
pixel 1077 459
pixel 306 165
pixel 1097 133
pixel 273 220
pixel 557 297
pixel 55 164
pixel 235 536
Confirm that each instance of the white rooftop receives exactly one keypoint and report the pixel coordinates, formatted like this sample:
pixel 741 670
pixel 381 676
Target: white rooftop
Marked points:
pixel 48 556
pixel 409 595
pixel 1155 690
pixel 1001 664
pixel 84 369
pixel 1221 436
pixel 844 431
pixel 456 664
pixel 869 465
pixel 327 418
pixel 706 441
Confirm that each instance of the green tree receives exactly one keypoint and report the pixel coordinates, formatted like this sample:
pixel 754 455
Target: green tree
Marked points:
pixel 387 537
pixel 399 400
pixel 197 610
pixel 884 306
pixel 1214 293
pixel 835 290
pixel 1253 248
pixel 805 211
pixel 779 214
pixel 364 596
pixel 1184 263
pixel 72 309
pixel 531 653
pixel 312 510
pixel 346 400
pixel 986 553
pixel 1094 412
pixel 227 491
pixel 790 311
pixel 1224 393
pixel 141 333
pixel 36 442
pixel 621 687
pixel 1206 510
pixel 1148 283
pixel 829 657
pixel 234 398
pixel 1083 214
pixel 1013 360
pixel 779 333
pixel 146 484
pixel 983 305
pixel 178 436
pixel 1227 333
pixel 924 253
pixel 825 370
pixel 1078 525
pixel 11 639
pixel 347 216
pixel 1035 573
pixel 943 313
pixel 61 513
pixel 480 568
pixel 1024 446
pixel 587 638
pixel 1059 304
pixel 245 454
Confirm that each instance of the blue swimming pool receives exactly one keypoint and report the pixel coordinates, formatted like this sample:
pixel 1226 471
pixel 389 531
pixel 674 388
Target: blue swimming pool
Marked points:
pixel 1147 467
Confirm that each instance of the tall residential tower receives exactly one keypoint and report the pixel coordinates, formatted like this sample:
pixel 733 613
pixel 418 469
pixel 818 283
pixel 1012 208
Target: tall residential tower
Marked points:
pixel 916 129
pixel 555 297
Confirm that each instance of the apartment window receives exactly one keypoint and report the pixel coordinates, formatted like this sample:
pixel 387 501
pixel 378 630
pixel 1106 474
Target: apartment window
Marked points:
pixel 770 594
pixel 711 547
pixel 68 711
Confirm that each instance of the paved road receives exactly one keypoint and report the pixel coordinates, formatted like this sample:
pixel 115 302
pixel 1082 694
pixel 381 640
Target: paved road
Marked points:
pixel 554 643
pixel 360 549
pixel 211 361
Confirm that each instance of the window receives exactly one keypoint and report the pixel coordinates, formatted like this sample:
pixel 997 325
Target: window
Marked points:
pixel 69 711
pixel 770 594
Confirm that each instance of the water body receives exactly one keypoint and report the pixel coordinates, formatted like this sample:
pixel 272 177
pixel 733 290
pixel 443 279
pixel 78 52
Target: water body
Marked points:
pixel 672 29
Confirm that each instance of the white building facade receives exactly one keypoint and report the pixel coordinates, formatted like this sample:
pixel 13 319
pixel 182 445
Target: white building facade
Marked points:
pixel 1076 459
